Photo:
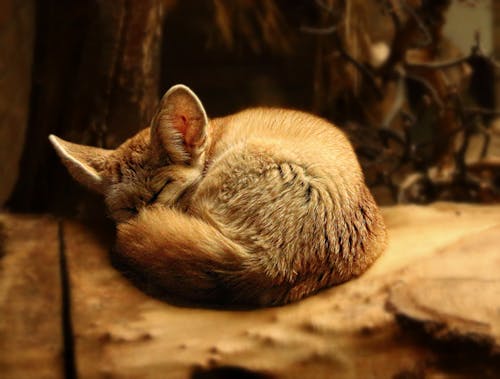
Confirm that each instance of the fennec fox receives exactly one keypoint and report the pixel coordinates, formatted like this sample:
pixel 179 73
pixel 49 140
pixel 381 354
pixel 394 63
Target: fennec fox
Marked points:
pixel 262 207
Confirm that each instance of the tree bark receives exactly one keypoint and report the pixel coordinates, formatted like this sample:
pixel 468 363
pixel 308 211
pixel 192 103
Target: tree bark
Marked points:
pixel 96 81
pixel 496 45
pixel 17 24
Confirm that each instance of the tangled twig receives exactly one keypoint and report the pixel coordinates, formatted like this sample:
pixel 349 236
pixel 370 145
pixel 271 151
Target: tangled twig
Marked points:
pixel 462 121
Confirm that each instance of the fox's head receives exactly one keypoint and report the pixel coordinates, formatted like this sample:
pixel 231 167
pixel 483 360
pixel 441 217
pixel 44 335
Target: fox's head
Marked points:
pixel 156 165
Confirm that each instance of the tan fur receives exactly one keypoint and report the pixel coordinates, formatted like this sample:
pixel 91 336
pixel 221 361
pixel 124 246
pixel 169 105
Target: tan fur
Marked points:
pixel 263 207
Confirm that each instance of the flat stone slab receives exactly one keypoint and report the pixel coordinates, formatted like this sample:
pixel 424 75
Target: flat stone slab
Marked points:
pixel 452 308
pixel 455 293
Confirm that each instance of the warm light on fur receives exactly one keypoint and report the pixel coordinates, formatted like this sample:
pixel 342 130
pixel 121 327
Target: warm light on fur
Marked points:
pixel 262 207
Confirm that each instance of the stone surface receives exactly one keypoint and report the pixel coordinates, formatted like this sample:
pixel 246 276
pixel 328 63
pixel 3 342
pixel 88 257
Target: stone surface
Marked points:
pixel 455 293
pixel 452 308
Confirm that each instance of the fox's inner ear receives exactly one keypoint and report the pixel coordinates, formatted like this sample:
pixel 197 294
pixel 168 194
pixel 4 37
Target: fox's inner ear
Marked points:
pixel 84 163
pixel 179 127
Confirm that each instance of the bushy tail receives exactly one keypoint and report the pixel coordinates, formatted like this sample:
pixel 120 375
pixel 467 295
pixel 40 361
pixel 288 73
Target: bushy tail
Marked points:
pixel 188 258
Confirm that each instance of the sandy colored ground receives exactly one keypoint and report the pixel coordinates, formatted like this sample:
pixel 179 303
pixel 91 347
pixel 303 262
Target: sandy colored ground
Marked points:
pixel 428 308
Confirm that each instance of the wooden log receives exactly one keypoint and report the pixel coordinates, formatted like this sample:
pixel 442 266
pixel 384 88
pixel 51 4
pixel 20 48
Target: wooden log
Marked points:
pixel 96 81
pixel 495 13
pixel 31 338
pixel 17 29
pixel 342 332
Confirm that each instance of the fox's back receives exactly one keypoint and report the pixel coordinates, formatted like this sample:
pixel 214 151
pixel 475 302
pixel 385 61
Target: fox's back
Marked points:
pixel 299 136
pixel 287 187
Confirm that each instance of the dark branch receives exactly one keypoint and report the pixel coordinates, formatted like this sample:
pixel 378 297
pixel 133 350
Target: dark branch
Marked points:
pixel 320 31
pixel 430 88
pixel 420 23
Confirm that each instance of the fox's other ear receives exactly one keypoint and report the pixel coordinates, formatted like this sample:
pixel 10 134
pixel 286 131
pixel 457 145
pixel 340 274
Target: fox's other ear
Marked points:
pixel 179 127
pixel 84 163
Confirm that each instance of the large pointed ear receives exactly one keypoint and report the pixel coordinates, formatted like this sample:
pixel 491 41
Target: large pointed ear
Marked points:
pixel 84 163
pixel 179 127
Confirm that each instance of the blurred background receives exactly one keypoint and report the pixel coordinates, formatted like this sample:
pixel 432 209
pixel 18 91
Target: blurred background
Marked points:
pixel 414 83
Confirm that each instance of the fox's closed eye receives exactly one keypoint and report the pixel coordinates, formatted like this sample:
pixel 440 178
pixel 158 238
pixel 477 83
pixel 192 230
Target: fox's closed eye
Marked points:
pixel 131 210
pixel 134 211
pixel 157 193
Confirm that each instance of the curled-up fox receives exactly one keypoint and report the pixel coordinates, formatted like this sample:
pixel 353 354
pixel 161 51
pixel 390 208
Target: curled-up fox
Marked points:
pixel 262 207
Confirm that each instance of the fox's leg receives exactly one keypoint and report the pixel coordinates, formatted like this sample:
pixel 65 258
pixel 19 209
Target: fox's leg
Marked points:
pixel 183 254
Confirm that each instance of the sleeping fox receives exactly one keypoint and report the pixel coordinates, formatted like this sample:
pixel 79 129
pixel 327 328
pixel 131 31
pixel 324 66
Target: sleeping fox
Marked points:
pixel 263 207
